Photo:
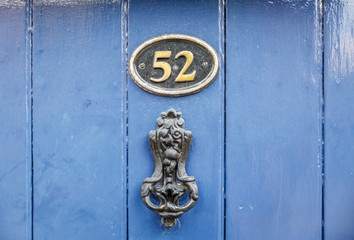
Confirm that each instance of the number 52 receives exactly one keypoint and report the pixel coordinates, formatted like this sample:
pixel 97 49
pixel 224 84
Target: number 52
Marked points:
pixel 182 77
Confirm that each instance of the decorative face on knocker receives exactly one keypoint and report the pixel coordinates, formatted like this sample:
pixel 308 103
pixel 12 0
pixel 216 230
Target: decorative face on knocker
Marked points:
pixel 170 137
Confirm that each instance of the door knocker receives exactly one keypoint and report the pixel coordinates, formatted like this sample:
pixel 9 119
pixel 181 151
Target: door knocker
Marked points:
pixel 170 144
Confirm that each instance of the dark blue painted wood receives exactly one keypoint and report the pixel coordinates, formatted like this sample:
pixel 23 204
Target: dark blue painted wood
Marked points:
pixel 273 149
pixel 273 121
pixel 339 120
pixel 15 131
pixel 203 113
pixel 79 87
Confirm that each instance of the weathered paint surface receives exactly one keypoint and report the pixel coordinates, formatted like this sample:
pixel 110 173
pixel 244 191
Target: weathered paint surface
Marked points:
pixel 81 120
pixel 273 127
pixel 15 128
pixel 79 166
pixel 339 120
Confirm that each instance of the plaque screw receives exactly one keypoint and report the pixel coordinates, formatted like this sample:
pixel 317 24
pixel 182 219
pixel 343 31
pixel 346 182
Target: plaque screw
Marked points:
pixel 205 64
pixel 142 65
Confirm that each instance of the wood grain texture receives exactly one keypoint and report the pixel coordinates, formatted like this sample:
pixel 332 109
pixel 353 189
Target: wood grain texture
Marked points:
pixel 79 87
pixel 273 120
pixel 83 112
pixel 203 114
pixel 15 132
pixel 339 120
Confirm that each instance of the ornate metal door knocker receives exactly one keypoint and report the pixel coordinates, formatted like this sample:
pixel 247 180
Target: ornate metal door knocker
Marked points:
pixel 169 183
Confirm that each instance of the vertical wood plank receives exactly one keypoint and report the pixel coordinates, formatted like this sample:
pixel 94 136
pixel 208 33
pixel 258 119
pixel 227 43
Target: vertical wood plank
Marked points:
pixel 339 120
pixel 203 114
pixel 273 121
pixel 79 125
pixel 15 125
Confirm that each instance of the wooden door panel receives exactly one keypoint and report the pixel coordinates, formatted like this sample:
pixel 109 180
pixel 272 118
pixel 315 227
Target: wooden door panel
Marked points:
pixel 15 123
pixel 273 120
pixel 339 120
pixel 203 114
pixel 79 160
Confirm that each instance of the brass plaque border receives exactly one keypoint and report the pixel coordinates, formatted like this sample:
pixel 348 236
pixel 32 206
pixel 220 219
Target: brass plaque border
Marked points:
pixel 174 92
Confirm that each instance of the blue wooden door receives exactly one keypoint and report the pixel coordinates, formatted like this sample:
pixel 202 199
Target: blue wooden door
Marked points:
pixel 273 120
pixel 273 135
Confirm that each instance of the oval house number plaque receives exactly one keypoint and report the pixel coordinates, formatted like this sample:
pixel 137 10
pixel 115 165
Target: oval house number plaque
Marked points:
pixel 174 65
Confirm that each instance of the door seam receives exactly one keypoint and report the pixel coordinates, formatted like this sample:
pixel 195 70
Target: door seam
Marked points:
pixel 323 119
